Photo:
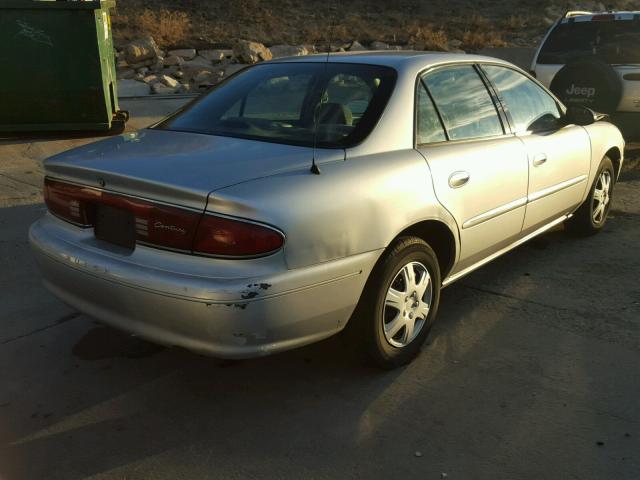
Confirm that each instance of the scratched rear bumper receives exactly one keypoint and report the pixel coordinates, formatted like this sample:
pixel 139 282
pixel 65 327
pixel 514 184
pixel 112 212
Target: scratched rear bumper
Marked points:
pixel 200 304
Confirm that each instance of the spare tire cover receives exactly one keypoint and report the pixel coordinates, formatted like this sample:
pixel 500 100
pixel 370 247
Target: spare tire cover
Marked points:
pixel 589 82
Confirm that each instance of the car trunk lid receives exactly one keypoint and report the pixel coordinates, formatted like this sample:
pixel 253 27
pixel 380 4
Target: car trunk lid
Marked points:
pixel 177 168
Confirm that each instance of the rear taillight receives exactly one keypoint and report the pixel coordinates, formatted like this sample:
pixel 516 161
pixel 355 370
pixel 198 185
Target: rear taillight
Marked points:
pixel 164 226
pixel 69 202
pixel 156 224
pixel 222 236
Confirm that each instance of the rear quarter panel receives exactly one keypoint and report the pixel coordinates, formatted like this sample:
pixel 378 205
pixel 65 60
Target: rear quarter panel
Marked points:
pixel 357 205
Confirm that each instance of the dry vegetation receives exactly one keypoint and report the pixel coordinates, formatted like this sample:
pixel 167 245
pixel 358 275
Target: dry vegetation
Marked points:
pixel 166 27
pixel 425 24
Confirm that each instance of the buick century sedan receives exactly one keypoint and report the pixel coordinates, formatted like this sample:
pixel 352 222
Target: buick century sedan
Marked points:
pixel 304 196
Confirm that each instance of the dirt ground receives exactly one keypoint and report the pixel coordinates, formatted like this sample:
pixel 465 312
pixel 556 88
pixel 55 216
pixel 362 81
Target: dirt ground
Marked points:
pixel 531 372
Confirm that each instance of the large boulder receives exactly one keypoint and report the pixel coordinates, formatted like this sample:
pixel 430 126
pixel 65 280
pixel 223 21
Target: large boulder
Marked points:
pixel 251 52
pixel 379 46
pixel 217 55
pixel 173 60
pixel 207 79
pixel 151 79
pixel 169 81
pixel 233 68
pixel 186 53
pixel 199 66
pixel 141 51
pixel 356 46
pixel 279 51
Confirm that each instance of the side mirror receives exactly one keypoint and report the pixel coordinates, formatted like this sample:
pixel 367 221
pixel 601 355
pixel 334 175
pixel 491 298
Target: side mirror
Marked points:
pixel 579 115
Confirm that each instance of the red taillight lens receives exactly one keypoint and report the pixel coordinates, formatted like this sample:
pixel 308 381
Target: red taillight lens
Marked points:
pixel 158 225
pixel 155 224
pixel 164 226
pixel 227 237
pixel 68 201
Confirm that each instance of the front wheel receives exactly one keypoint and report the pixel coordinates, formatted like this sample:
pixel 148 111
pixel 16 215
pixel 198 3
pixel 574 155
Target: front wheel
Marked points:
pixel 592 214
pixel 400 302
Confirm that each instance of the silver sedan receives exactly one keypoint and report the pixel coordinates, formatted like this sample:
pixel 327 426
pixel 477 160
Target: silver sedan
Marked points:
pixel 306 195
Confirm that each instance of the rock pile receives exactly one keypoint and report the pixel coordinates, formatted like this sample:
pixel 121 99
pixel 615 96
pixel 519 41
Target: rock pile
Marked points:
pixel 143 68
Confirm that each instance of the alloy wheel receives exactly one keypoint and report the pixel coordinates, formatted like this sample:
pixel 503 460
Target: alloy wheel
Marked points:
pixel 407 304
pixel 601 197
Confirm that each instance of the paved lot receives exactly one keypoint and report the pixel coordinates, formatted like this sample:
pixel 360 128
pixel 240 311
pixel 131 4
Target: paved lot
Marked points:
pixel 532 372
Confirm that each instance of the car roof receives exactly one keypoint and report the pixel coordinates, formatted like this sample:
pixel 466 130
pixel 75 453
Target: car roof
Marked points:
pixel 404 60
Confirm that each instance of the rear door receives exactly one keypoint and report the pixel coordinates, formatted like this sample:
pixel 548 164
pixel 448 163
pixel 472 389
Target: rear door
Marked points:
pixel 559 156
pixel 479 172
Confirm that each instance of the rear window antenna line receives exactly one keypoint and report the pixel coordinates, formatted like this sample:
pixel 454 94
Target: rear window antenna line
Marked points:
pixel 315 169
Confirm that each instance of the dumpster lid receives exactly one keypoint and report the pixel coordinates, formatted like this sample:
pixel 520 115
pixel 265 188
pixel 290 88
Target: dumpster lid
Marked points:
pixel 56 5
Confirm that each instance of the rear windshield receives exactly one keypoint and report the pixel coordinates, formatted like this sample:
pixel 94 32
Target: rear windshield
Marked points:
pixel 334 104
pixel 615 42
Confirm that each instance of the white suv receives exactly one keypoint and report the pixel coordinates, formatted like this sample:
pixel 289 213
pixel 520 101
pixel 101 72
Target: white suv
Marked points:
pixel 593 59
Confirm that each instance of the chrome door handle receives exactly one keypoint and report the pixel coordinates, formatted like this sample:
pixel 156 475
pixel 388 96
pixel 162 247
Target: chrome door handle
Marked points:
pixel 458 179
pixel 539 159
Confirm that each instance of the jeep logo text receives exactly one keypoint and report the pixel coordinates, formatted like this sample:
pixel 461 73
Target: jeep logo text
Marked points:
pixel 584 91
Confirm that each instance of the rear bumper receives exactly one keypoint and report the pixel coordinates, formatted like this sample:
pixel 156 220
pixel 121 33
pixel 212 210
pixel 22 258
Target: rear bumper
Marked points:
pixel 224 308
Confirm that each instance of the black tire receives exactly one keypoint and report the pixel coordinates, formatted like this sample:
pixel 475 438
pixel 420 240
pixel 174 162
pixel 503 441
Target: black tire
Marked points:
pixel 582 223
pixel 368 323
pixel 588 82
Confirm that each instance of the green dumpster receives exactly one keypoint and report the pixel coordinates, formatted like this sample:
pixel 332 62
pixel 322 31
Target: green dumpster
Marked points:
pixel 57 66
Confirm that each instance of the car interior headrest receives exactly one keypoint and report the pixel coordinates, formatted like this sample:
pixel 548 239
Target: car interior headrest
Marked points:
pixel 335 113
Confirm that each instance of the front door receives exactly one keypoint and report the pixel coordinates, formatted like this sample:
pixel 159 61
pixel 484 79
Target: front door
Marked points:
pixel 559 156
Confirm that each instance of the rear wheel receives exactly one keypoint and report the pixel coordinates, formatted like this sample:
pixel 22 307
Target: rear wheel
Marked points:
pixel 399 304
pixel 592 214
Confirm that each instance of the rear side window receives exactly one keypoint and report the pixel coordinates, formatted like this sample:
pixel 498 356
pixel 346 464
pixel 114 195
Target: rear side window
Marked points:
pixel 613 42
pixel 464 103
pixel 429 129
pixel 530 107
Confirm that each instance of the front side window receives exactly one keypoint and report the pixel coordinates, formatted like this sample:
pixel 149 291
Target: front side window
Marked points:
pixel 333 105
pixel 464 103
pixel 530 107
pixel 429 129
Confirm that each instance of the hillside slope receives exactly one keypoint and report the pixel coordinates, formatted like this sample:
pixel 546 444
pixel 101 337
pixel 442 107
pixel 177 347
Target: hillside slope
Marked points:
pixel 433 24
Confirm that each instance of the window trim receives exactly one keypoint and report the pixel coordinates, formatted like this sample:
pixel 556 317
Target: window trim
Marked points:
pixel 420 83
pixel 497 105
pixel 507 119
pixel 561 107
